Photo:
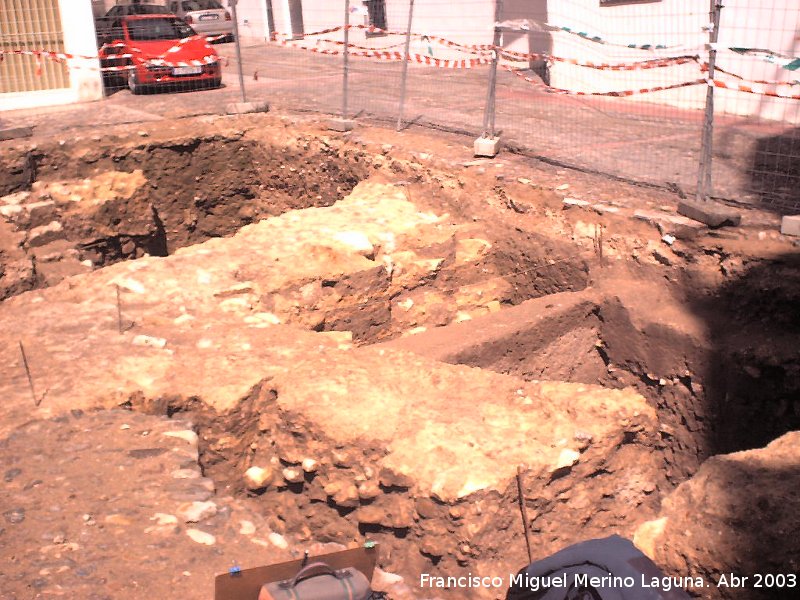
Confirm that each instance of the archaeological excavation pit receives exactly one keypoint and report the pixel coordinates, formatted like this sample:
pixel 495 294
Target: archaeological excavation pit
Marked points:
pixel 80 205
pixel 369 345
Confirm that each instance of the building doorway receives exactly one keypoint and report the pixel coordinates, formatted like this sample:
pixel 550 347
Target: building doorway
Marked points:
pixel 270 20
pixel 376 9
pixel 296 18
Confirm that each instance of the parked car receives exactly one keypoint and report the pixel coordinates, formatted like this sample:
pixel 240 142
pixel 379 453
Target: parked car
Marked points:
pixel 207 17
pixel 103 24
pixel 159 51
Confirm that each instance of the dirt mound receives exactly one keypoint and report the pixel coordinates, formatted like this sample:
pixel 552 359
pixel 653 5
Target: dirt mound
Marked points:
pixel 738 515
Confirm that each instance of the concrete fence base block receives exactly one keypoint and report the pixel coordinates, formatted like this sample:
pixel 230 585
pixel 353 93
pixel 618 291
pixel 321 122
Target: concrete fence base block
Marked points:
pixel 790 225
pixel 486 147
pixel 241 108
pixel 710 213
pixel 14 133
pixel 341 125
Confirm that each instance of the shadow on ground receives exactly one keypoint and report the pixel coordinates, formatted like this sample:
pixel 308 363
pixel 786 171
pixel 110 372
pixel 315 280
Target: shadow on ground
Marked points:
pixel 754 395
pixel 754 323
pixel 774 171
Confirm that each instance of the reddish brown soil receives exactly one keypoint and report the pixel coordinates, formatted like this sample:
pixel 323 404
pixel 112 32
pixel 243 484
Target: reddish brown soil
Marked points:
pixel 705 329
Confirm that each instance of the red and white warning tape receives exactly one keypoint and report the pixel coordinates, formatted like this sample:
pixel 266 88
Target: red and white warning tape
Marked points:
pixel 464 63
pixel 653 63
pixel 513 55
pixel 761 91
pixel 159 61
pixel 704 68
pixel 622 93
pixel 752 87
pixel 356 46
pixel 377 30
pixel 64 56
pixel 39 55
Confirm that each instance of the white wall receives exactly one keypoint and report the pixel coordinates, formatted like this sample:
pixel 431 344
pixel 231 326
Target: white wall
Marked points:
pixel 773 24
pixel 760 23
pixel 443 18
pixel 252 16
pixel 85 80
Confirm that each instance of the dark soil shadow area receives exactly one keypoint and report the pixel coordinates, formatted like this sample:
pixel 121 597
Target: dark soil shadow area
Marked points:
pixel 774 171
pixel 740 510
pixel 753 390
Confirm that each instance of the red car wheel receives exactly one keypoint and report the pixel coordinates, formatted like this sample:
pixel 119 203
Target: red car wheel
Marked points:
pixel 133 83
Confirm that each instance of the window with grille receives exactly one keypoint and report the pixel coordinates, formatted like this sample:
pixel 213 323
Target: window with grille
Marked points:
pixel 31 25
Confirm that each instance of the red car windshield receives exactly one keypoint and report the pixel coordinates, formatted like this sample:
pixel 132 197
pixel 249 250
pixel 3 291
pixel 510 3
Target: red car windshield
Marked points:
pixel 158 29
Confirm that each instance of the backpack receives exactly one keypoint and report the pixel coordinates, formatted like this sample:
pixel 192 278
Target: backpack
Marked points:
pixel 611 568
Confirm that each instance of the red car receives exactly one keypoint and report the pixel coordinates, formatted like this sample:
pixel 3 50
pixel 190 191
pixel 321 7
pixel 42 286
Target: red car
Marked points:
pixel 159 50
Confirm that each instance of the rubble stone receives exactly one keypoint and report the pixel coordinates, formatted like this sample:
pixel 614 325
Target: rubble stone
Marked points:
pixel 711 213
pixel 734 515
pixel 39 236
pixel 790 225
pixel 258 477
pixel 201 537
pixel 194 512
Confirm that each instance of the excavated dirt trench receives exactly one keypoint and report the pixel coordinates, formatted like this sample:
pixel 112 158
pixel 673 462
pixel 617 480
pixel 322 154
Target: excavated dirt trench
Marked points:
pixel 722 392
pixel 724 375
pixel 76 206
pixel 729 383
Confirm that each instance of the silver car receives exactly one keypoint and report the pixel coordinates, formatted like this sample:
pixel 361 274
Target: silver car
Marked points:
pixel 206 17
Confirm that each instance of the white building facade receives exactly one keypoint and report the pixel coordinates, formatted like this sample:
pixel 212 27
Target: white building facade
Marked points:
pixel 62 26
pixel 681 25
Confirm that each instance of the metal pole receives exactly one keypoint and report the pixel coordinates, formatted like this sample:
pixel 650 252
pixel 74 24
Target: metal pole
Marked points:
pixel 405 67
pixel 346 56
pixel 524 513
pixel 706 155
pixel 238 47
pixel 488 113
pixel 119 312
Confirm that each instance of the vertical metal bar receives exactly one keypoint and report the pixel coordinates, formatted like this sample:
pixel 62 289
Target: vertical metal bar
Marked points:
pixel 704 182
pixel 119 312
pixel 524 512
pixel 488 112
pixel 233 4
pixel 346 57
pixel 36 401
pixel 405 67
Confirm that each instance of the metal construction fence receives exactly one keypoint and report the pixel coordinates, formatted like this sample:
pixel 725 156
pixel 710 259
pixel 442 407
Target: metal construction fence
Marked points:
pixel 695 95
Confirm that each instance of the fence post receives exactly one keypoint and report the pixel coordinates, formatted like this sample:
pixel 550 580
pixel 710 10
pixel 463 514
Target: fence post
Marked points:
pixel 704 182
pixel 488 144
pixel 343 123
pixel 233 4
pixel 405 67
pixel 346 57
